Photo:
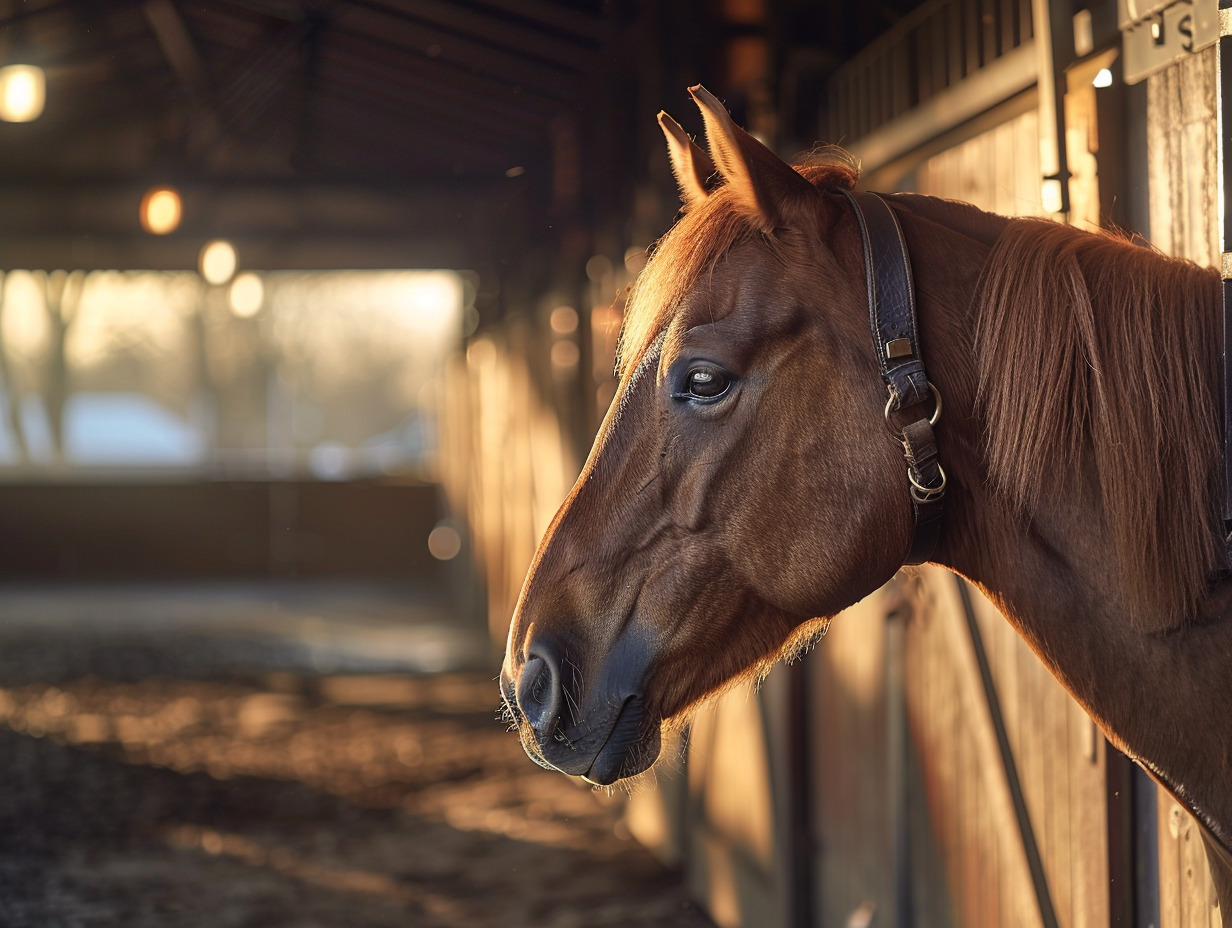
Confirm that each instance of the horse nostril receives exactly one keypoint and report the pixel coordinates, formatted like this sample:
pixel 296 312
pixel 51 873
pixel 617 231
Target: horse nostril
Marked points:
pixel 539 695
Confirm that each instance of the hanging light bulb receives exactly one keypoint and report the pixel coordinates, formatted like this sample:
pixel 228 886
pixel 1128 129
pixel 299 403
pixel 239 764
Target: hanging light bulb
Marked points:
pixel 218 262
pixel 23 92
pixel 161 210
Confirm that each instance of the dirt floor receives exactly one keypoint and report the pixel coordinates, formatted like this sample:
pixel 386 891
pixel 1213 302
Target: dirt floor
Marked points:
pixel 215 771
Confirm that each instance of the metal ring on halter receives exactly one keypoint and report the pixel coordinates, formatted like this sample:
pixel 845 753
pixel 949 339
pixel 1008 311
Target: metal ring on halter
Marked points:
pixel 923 494
pixel 932 420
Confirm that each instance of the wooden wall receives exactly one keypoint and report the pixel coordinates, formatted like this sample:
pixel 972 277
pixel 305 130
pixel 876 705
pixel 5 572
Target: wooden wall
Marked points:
pixel 1183 158
pixel 507 461
pixel 175 530
pixel 1055 754
pixel 917 822
pixel 996 170
pixel 1182 149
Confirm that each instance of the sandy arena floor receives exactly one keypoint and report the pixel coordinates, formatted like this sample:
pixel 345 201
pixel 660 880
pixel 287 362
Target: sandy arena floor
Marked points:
pixel 190 758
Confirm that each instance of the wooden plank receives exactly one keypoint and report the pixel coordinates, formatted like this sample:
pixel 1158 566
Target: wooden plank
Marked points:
pixel 1040 738
pixel 955 60
pixel 1058 800
pixel 851 828
pixel 1181 150
pixel 990 44
pixel 1004 151
pixel 1027 168
pixel 900 80
pixel 1197 893
pixel 1008 21
pixel 980 779
pixel 1089 823
pixel 1026 26
pixel 972 60
pixel 1161 91
pixel 1186 893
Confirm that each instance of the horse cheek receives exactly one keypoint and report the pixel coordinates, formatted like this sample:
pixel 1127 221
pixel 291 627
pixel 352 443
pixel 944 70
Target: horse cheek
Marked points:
pixel 820 536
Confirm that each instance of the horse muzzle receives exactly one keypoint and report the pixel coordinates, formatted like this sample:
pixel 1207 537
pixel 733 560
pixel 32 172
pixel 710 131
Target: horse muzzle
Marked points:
pixel 602 733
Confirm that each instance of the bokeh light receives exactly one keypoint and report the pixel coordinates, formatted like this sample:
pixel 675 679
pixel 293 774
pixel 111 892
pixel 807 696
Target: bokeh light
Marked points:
pixel 565 355
pixel 161 210
pixel 564 320
pixel 444 542
pixel 247 295
pixel 23 92
pixel 218 261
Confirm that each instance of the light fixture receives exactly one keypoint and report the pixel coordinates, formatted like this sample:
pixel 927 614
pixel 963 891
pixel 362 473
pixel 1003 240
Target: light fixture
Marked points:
pixel 218 262
pixel 1050 195
pixel 161 210
pixel 247 295
pixel 23 92
pixel 1103 78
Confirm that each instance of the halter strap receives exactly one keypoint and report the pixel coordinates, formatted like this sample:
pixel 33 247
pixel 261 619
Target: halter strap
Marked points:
pixel 896 343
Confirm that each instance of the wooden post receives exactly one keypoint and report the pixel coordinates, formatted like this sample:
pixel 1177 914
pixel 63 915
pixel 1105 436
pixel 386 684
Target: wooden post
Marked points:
pixel 1223 91
pixel 1054 51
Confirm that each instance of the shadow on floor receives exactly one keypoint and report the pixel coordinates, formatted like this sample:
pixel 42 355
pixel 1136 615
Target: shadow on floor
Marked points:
pixel 196 773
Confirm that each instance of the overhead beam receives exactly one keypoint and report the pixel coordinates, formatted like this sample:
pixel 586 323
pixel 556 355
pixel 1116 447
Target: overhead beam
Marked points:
pixel 455 51
pixel 268 208
pixel 499 104
pixel 177 44
pixel 303 252
pixel 497 29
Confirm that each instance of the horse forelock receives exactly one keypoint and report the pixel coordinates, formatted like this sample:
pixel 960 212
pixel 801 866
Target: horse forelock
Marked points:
pixel 1091 349
pixel 706 232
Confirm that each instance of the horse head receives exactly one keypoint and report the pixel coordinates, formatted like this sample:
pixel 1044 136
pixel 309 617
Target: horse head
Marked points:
pixel 742 487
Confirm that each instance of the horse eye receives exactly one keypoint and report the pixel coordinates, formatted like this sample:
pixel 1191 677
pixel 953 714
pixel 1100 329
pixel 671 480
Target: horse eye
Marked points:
pixel 707 383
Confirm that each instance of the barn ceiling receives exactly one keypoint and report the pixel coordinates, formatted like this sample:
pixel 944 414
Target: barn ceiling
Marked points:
pixel 301 121
pixel 361 132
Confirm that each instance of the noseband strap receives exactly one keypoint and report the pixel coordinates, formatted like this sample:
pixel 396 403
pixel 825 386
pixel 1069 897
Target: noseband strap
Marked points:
pixel 896 342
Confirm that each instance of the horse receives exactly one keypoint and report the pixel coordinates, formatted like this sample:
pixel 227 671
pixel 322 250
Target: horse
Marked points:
pixel 743 488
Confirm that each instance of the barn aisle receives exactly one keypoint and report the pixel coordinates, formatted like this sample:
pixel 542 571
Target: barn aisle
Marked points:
pixel 313 755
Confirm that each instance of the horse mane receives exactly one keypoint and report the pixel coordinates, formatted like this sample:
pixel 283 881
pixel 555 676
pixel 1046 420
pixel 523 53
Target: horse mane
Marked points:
pixel 1089 355
pixel 693 246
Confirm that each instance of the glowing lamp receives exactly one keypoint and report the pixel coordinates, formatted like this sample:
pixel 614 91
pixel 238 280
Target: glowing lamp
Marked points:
pixel 23 91
pixel 161 210
pixel 218 262
pixel 247 295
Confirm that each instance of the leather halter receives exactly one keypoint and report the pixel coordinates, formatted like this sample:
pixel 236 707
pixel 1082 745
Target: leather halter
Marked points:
pixel 896 342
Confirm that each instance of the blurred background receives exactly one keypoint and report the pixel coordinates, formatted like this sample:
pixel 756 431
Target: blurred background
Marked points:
pixel 307 320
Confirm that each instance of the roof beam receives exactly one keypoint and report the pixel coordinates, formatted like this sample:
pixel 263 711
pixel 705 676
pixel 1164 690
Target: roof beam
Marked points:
pixel 176 44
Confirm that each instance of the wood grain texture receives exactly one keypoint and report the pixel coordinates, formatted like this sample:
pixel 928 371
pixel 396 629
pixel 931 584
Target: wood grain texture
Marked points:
pixel 1182 154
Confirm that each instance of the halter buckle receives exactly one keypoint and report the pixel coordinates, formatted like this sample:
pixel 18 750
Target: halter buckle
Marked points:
pixel 922 494
pixel 891 407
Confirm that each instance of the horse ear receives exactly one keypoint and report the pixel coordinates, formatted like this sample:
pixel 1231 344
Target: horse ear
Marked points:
pixel 765 183
pixel 690 164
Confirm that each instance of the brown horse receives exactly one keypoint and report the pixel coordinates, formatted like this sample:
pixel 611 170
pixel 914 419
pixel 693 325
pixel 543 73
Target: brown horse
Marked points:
pixel 743 489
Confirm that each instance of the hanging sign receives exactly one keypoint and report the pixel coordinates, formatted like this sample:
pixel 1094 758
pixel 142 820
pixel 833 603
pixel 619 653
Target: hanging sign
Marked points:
pixel 1157 34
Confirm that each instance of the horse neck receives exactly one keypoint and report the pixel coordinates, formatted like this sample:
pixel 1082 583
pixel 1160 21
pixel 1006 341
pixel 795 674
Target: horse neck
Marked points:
pixel 1052 573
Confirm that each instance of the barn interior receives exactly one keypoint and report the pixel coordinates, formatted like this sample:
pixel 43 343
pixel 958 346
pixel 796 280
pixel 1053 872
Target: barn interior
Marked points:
pixel 308 311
